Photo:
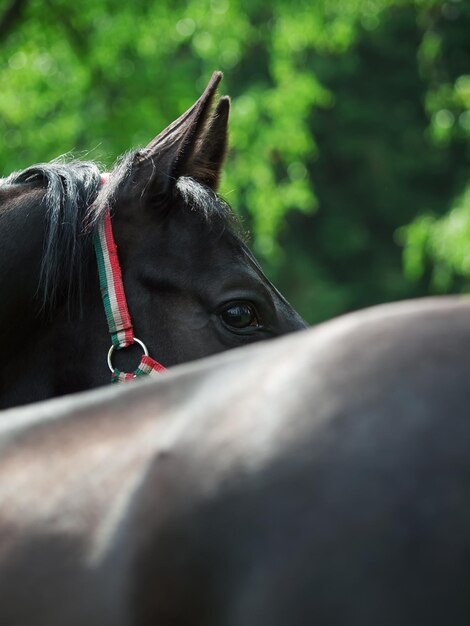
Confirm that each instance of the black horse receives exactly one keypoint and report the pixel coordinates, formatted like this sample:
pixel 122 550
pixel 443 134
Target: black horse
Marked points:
pixel 192 286
pixel 322 478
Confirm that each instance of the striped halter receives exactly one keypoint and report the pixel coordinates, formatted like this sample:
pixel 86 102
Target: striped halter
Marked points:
pixel 115 305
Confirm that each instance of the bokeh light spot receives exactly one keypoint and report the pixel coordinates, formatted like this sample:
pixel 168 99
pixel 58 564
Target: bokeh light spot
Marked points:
pixel 186 27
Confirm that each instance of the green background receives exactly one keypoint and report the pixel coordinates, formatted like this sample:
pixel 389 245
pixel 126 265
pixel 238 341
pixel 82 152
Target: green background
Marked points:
pixel 350 124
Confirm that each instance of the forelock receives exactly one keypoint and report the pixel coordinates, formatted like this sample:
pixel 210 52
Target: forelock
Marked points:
pixel 209 205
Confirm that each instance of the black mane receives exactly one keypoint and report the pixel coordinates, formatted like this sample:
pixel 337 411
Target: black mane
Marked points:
pixel 71 188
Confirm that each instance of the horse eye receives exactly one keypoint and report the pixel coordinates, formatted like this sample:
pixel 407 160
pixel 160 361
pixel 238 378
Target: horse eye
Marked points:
pixel 240 315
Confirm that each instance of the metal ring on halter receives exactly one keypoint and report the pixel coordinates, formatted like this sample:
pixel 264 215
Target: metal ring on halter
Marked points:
pixel 112 348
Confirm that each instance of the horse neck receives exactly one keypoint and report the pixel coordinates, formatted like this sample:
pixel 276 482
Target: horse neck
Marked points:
pixel 37 341
pixel 22 231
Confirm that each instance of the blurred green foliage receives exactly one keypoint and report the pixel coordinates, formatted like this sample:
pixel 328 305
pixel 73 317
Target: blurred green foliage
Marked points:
pixel 350 123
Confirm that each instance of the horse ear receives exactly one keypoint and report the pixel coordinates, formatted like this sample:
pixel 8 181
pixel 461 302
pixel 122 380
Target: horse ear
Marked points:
pixel 193 145
pixel 205 165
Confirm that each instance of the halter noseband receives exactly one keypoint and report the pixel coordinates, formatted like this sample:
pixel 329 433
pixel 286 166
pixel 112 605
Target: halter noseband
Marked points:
pixel 115 305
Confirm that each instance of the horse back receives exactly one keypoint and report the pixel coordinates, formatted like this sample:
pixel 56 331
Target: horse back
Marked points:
pixel 320 478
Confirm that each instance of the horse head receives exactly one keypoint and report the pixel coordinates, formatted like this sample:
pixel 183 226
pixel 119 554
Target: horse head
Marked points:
pixel 193 288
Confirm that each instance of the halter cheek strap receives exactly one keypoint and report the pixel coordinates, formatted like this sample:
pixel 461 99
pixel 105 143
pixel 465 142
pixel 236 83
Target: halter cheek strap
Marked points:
pixel 115 305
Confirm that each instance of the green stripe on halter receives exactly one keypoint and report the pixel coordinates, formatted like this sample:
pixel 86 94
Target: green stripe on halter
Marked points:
pixel 104 289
